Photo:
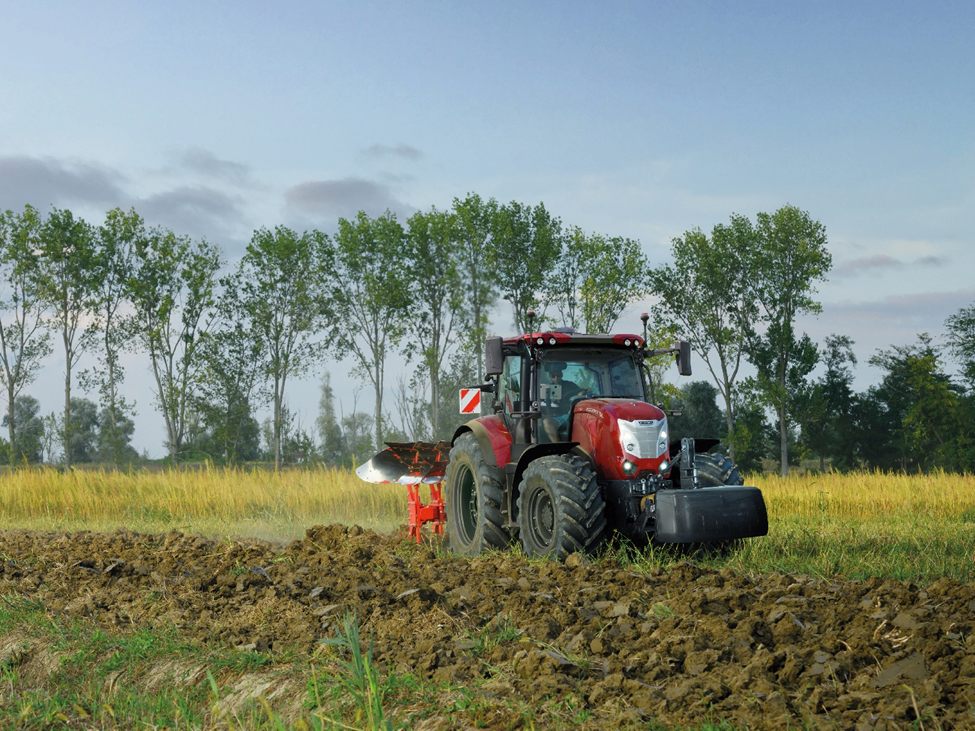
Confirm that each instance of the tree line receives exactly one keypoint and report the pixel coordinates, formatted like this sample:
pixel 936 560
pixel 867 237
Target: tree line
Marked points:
pixel 738 291
pixel 222 344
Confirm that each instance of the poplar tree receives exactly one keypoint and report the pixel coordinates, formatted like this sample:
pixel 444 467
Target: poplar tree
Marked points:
pixel 284 280
pixel 24 342
pixel 69 283
pixel 369 297
pixel 172 292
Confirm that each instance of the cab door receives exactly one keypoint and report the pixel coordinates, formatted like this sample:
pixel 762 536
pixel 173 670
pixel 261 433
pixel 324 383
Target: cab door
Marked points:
pixel 514 393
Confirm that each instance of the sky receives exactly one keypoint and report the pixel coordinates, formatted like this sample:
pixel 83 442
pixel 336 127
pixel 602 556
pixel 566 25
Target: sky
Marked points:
pixel 637 119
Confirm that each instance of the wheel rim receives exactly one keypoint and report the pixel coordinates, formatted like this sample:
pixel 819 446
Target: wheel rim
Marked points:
pixel 541 518
pixel 468 508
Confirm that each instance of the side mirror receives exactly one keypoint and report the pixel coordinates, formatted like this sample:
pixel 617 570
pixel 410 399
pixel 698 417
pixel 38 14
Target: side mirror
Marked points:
pixel 493 358
pixel 683 349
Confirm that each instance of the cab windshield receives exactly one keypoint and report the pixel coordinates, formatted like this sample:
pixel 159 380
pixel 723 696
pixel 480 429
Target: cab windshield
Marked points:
pixel 569 372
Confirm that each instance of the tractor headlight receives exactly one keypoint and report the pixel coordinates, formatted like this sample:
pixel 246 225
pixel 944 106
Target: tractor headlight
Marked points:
pixel 630 438
pixel 664 466
pixel 629 468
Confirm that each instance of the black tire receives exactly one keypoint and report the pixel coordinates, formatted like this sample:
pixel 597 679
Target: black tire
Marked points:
pixel 473 500
pixel 560 507
pixel 716 470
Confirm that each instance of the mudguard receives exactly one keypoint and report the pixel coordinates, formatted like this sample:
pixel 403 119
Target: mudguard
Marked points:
pixel 708 514
pixel 492 436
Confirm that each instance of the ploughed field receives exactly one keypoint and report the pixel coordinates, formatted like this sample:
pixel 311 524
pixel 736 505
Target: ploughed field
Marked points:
pixel 500 641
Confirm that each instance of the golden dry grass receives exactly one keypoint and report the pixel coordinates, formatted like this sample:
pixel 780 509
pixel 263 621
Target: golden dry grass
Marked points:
pixel 214 501
pixel 867 495
pixel 863 524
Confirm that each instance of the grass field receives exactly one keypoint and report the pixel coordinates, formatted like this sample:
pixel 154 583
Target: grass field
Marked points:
pixel 911 527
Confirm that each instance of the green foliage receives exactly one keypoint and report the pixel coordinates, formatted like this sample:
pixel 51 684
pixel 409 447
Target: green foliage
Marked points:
pixel 701 417
pixel 753 435
pixel 172 294
pixel 83 433
pixel 788 259
pixel 915 416
pixel 24 343
pixel 526 246
pixel 825 409
pixel 370 298
pixel 595 279
pixel 69 283
pixel 436 302
pixel 705 294
pixel 961 341
pixel 283 281
pixel 475 226
pixel 114 257
pixel 28 430
pixel 360 677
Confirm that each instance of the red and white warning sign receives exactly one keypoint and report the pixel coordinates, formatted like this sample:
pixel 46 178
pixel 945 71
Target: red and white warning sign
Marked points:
pixel 470 401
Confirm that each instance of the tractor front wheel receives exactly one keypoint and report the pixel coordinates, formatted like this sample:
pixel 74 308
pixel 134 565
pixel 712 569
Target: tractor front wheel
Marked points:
pixel 560 508
pixel 473 499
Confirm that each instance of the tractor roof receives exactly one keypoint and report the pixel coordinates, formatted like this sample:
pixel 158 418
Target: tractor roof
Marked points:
pixel 565 336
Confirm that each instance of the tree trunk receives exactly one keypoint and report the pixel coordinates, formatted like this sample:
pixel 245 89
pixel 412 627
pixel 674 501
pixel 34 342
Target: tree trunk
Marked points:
pixel 379 409
pixel 12 452
pixel 784 437
pixel 277 425
pixel 731 421
pixel 67 414
pixel 435 401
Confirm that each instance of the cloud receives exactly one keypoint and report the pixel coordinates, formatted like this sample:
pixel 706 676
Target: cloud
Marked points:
pixel 42 182
pixel 883 262
pixel 203 162
pixel 343 198
pixel 906 309
pixel 401 151
pixel 193 210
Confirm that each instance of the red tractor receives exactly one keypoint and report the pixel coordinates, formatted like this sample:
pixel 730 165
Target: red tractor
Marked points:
pixel 574 448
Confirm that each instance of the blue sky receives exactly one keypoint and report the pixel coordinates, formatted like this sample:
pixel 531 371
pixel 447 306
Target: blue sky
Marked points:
pixel 637 119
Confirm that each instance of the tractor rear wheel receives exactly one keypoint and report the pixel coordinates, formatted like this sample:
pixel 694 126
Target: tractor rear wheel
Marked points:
pixel 560 507
pixel 473 499
pixel 716 470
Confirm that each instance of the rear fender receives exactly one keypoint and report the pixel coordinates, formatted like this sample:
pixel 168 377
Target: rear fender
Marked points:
pixel 493 438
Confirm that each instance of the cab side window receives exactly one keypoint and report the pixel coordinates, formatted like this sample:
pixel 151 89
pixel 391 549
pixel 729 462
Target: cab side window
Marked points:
pixel 510 384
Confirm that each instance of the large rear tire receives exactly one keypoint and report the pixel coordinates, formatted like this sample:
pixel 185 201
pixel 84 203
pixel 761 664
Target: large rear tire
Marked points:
pixel 473 500
pixel 716 470
pixel 560 507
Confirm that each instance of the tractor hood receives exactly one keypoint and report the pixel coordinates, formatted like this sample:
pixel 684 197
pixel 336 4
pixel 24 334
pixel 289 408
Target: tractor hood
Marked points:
pixel 624 437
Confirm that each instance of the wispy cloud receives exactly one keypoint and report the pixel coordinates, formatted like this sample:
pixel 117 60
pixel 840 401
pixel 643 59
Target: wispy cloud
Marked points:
pixel 883 262
pixel 45 181
pixel 344 198
pixel 384 152
pixel 205 163
pixel 193 210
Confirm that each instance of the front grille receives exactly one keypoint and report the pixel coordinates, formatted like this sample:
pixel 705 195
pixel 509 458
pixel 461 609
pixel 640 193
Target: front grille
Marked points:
pixel 644 435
